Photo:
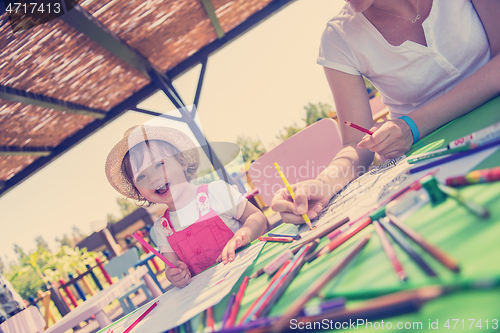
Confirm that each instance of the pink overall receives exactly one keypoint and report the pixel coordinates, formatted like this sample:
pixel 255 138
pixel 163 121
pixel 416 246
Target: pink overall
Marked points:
pixel 200 244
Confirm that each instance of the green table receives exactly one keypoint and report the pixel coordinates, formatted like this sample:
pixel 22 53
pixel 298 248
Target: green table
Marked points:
pixel 474 243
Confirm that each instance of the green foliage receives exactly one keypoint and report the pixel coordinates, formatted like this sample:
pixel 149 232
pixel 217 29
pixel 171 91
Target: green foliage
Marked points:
pixel 250 149
pixel 36 270
pixel 313 113
pixel 316 111
pixel 126 207
pixel 289 131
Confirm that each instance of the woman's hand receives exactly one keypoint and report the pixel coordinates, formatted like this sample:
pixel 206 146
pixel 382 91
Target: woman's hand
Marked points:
pixel 310 197
pixel 239 239
pixel 390 139
pixel 180 276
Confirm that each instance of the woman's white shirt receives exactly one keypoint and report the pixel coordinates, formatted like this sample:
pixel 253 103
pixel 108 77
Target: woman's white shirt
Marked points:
pixel 409 75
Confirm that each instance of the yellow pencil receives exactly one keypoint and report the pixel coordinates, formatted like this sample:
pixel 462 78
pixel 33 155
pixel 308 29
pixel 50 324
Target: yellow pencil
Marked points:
pixel 289 188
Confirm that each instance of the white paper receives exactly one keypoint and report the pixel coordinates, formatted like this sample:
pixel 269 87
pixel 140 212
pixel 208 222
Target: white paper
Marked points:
pixel 366 193
pixel 177 306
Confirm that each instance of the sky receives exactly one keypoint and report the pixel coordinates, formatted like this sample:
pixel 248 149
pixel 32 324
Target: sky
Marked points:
pixel 253 87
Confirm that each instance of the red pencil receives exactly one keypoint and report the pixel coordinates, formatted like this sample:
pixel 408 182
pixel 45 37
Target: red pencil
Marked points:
pixel 150 248
pixel 389 251
pixel 275 277
pixel 141 317
pixel 336 242
pixel 210 319
pixel 276 239
pixel 359 128
pixel 236 307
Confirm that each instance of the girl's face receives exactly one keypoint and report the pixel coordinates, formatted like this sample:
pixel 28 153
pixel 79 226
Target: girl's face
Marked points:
pixel 159 176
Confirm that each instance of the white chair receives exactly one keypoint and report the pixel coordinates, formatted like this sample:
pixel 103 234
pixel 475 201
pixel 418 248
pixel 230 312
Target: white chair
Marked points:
pixel 301 157
pixel 119 267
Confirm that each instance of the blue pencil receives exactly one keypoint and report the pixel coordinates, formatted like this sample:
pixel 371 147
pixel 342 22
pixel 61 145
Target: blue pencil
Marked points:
pixel 228 309
pixel 455 156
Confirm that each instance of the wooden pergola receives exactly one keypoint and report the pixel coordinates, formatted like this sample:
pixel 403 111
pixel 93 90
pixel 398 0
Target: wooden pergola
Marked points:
pixel 62 80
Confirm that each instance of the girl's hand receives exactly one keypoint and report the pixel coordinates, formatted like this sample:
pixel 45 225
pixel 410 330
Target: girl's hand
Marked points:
pixel 310 197
pixel 180 276
pixel 390 139
pixel 229 252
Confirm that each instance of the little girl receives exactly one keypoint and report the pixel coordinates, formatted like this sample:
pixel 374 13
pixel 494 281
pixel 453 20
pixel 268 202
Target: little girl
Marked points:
pixel 202 224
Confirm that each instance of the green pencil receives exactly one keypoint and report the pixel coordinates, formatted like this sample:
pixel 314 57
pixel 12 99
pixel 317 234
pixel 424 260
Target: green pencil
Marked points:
pixel 439 153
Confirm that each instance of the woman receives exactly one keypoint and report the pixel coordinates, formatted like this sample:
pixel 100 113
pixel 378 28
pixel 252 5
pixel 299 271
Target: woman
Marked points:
pixel 432 61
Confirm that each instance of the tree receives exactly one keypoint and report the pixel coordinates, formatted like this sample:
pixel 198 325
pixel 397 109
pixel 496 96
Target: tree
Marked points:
pixel 289 131
pixel 126 207
pixel 316 111
pixel 313 113
pixel 250 149
pixel 40 242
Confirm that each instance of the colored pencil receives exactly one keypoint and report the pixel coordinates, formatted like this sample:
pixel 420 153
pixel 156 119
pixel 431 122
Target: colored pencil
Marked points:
pixel 277 262
pixel 275 277
pixel 403 243
pixel 150 248
pixel 442 257
pixel 141 317
pixel 466 284
pixel 341 229
pixel 318 233
pixel 294 236
pixel 455 157
pixel 389 251
pixel 187 327
pixel 345 236
pixel 267 295
pixel 282 285
pixel 290 190
pixel 359 128
pixel 437 154
pixel 391 305
pixel 210 319
pixel 316 286
pixel 475 177
pixel 237 302
pixel 473 207
pixel 312 310
pixel 276 239
pixel 228 309
pixel 257 274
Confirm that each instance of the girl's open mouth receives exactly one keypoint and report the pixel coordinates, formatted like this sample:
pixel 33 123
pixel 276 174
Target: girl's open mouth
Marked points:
pixel 162 189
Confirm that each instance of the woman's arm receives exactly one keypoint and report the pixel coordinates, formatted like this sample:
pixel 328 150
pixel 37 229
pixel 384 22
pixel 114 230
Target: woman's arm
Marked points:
pixel 351 103
pixel 467 95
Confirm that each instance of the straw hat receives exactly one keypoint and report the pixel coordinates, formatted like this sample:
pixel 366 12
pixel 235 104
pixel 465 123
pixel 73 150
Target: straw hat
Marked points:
pixel 136 135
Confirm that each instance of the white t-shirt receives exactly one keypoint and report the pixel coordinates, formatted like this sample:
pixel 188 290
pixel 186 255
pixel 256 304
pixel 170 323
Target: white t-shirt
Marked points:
pixel 409 75
pixel 224 199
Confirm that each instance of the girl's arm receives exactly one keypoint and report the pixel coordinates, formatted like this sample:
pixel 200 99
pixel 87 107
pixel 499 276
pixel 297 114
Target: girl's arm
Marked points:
pixel 180 276
pixel 469 94
pixel 352 105
pixel 254 225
